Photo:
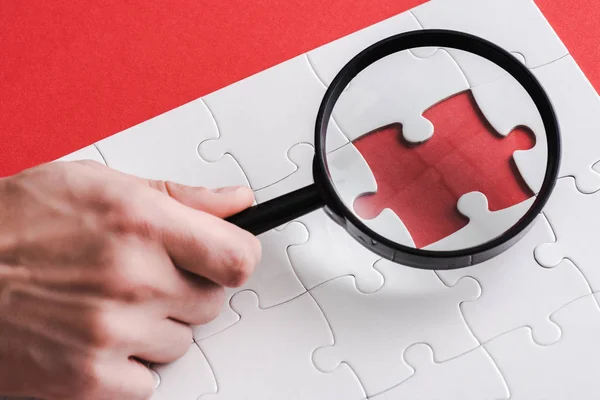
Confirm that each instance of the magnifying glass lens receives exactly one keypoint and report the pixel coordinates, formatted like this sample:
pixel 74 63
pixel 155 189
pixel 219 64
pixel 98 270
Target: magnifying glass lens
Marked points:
pixel 440 157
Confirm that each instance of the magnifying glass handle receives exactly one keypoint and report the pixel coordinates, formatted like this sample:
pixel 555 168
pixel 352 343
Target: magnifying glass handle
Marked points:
pixel 273 213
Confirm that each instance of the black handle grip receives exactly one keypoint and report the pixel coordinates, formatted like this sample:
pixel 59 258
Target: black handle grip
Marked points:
pixel 266 216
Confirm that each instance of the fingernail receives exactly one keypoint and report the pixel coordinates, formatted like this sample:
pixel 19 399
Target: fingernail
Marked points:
pixel 230 189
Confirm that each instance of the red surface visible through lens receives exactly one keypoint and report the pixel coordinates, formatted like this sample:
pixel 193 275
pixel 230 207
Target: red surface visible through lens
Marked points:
pixel 422 183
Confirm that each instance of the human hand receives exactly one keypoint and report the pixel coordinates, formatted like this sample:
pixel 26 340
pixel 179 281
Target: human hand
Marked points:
pixel 100 270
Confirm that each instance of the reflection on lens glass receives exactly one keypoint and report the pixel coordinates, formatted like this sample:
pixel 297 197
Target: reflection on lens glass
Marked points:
pixel 446 151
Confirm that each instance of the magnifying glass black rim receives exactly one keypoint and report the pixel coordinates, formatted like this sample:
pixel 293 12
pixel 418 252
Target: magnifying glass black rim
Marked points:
pixel 420 258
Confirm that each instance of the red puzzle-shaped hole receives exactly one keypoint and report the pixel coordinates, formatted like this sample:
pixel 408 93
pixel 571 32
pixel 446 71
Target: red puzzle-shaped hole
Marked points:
pixel 422 183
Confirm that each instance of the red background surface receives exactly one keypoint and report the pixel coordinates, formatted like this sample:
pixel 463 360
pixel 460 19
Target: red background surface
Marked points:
pixel 74 72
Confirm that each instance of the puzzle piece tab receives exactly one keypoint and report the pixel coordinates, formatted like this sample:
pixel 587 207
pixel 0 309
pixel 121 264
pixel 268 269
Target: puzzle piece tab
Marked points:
pixel 274 279
pixel 484 225
pixel 261 117
pixel 166 148
pixel 568 369
pixel 380 95
pixel 434 381
pixel 517 291
pixel 487 19
pixel 374 329
pixel 575 219
pixel 266 354
pixel 506 105
pixel 422 184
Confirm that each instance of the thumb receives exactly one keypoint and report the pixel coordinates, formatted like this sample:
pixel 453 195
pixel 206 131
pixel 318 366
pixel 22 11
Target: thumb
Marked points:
pixel 221 202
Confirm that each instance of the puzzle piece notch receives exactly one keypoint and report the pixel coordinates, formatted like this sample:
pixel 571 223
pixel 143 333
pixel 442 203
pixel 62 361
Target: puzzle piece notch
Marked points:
pixel 233 354
pixel 484 225
pixel 574 218
pixel 422 184
pixel 564 370
pixel 186 378
pixel 274 278
pixel 506 286
pixel 291 92
pixel 394 317
pixel 377 95
pixel 434 381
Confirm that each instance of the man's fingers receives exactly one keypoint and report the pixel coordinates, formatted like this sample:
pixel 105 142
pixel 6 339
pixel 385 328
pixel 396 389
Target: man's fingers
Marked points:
pixel 163 342
pixel 126 380
pixel 221 202
pixel 211 247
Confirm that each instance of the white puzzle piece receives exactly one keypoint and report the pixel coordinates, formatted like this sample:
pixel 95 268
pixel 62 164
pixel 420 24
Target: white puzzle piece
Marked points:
pixel 329 59
pixel 166 148
pixel 506 105
pixel 274 278
pixel 185 379
pixel 301 155
pixel 517 291
pixel 471 376
pixel 330 253
pixel 484 225
pixel 352 177
pixel 575 219
pixel 487 19
pixel 261 117
pixel 374 329
pixel 577 108
pixel 568 369
pixel 266 355
pixel 380 95
pixel 87 153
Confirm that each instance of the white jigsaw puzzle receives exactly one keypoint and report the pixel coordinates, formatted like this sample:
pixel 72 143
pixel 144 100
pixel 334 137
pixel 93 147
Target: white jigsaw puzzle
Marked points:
pixel 568 369
pixel 517 291
pixel 166 148
pixel 266 354
pixel 274 279
pixel 369 328
pixel 292 93
pixel 484 225
pixel 575 219
pixel 374 329
pixel 487 19
pixel 185 379
pixel 451 379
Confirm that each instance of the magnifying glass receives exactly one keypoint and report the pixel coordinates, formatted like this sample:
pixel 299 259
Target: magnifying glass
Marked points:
pixel 381 90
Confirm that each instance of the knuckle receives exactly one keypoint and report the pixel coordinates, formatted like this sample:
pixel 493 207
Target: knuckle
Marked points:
pixel 214 299
pixel 86 381
pixel 239 263
pixel 103 332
